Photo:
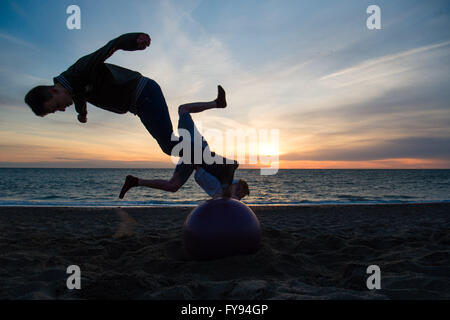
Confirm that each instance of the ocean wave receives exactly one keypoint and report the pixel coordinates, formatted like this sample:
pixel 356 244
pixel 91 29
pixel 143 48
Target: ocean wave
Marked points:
pixel 195 203
pixel 351 197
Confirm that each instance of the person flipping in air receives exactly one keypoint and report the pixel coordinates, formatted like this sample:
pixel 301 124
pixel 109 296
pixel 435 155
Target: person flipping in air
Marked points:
pixel 208 182
pixel 118 90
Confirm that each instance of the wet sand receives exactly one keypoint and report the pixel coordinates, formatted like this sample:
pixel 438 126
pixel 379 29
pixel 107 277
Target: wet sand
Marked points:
pixel 307 252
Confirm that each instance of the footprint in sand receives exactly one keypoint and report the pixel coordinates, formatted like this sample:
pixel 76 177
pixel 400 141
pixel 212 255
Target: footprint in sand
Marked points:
pixel 126 225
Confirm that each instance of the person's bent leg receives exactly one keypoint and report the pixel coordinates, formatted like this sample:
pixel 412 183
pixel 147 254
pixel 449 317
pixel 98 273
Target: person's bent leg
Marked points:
pixel 197 107
pixel 154 114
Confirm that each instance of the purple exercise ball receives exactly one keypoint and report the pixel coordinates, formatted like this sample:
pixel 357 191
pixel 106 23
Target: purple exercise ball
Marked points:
pixel 219 228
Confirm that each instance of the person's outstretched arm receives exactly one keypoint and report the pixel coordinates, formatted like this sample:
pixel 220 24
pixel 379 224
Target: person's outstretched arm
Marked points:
pixel 128 42
pixel 85 65
pixel 76 76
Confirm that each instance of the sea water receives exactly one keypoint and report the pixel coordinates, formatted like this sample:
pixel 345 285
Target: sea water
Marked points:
pixel 101 187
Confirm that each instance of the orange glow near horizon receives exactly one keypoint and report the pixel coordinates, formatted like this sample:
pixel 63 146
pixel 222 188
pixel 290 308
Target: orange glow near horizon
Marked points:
pixel 143 151
pixel 374 164
pixel 164 161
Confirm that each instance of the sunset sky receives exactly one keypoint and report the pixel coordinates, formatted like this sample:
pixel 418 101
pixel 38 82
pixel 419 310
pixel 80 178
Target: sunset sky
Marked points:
pixel 341 95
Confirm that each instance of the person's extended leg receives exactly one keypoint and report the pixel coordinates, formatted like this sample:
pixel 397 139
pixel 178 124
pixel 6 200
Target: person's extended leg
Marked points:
pixel 171 185
pixel 180 176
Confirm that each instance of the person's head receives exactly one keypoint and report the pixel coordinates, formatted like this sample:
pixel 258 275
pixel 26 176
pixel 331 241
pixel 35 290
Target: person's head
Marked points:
pixel 240 189
pixel 48 99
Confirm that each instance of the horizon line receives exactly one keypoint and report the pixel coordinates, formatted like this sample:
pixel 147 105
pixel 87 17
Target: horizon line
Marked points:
pixel 238 168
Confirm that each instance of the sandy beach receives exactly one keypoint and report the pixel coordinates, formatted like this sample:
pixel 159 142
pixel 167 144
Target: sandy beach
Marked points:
pixel 306 252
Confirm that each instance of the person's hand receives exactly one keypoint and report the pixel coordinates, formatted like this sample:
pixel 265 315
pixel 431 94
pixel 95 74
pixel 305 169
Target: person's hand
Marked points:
pixel 82 118
pixel 143 41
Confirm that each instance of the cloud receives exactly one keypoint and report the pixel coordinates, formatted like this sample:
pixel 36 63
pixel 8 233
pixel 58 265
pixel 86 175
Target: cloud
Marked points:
pixel 10 38
pixel 372 64
pixel 413 101
pixel 93 163
pixel 411 147
pixel 15 84
pixel 396 111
